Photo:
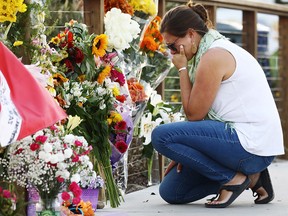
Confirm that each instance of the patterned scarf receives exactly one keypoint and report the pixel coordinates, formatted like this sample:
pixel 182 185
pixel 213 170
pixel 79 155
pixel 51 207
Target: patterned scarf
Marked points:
pixel 205 43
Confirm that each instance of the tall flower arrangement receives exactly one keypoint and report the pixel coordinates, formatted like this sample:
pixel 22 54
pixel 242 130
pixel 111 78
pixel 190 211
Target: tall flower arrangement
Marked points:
pixel 85 80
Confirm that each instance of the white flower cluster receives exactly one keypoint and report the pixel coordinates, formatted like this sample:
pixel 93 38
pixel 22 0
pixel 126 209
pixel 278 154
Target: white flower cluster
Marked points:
pixel 120 29
pixel 48 157
pixel 160 115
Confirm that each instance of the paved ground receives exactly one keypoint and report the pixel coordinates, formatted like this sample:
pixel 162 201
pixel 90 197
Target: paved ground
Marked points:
pixel 147 202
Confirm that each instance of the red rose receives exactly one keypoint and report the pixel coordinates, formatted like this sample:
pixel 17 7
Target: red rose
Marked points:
pixel 78 55
pixel 65 196
pixel 121 146
pixel 69 65
pixel 34 146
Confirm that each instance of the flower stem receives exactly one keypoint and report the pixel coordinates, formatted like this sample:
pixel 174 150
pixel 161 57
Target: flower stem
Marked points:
pixel 7 31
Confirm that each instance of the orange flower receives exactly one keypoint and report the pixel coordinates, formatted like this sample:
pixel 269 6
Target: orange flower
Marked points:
pixel 136 90
pixel 123 5
pixel 149 43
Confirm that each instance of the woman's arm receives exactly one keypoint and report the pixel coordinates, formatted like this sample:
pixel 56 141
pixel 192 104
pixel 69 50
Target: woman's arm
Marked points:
pixel 215 66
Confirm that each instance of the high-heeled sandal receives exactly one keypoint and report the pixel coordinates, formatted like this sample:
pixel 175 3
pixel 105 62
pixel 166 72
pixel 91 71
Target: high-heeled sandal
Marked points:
pixel 265 182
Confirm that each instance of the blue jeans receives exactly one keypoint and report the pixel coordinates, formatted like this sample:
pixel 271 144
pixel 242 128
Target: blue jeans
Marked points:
pixel 211 155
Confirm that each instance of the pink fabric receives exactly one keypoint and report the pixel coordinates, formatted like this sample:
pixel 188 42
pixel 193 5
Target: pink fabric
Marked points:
pixel 37 107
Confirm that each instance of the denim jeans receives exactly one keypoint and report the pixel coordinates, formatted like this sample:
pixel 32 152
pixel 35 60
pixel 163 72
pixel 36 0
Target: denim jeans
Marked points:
pixel 211 155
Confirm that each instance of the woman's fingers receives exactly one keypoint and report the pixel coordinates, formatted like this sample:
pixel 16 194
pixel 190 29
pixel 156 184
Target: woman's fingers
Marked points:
pixel 171 165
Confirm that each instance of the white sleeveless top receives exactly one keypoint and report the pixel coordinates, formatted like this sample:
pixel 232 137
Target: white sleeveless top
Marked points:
pixel 246 99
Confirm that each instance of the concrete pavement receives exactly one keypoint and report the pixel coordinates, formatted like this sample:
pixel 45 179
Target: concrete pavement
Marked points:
pixel 147 202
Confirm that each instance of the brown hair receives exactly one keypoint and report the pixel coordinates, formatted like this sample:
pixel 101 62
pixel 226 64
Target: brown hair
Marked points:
pixel 179 19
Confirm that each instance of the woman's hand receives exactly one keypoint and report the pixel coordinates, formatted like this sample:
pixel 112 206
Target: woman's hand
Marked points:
pixel 180 60
pixel 171 165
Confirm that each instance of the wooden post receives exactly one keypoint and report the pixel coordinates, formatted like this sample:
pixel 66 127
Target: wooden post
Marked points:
pixel 283 72
pixel 160 90
pixel 94 15
pixel 212 13
pixel 250 34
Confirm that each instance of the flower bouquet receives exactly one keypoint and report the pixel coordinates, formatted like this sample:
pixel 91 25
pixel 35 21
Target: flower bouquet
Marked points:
pixel 157 112
pixel 158 62
pixel 11 203
pixel 49 161
pixel 85 80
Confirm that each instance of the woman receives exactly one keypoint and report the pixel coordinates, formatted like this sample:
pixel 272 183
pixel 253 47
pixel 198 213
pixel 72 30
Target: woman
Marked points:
pixel 233 130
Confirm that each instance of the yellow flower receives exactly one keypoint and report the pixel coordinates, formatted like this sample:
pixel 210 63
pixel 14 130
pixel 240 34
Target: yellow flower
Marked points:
pixel 100 45
pixel 55 40
pixel 52 91
pixel 146 6
pixel 17 43
pixel 104 74
pixel 73 122
pixel 116 117
pixel 115 91
pixel 9 9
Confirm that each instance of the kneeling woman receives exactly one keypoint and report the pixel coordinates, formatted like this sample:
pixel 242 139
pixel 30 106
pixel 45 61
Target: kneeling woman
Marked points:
pixel 233 130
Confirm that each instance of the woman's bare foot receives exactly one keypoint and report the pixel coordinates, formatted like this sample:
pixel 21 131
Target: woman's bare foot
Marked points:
pixel 225 195
pixel 261 192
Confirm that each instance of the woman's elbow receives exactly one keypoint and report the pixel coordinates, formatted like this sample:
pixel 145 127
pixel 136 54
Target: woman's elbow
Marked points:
pixel 194 116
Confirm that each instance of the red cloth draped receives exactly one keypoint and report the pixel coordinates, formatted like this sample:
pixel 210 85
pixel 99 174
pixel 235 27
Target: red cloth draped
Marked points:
pixel 37 107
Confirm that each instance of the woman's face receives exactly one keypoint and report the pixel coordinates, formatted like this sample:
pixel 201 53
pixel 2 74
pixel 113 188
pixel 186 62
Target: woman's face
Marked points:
pixel 173 43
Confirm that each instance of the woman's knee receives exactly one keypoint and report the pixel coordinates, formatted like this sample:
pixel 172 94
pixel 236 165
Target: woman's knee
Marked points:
pixel 156 137
pixel 168 194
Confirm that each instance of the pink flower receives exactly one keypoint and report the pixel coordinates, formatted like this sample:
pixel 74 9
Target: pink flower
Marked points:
pixel 65 196
pixel 78 143
pixel 75 189
pixel 6 194
pixel 34 146
pixel 75 158
pixel 76 200
pixel 41 139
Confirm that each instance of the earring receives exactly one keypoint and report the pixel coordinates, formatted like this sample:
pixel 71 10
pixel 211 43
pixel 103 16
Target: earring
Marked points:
pixel 194 48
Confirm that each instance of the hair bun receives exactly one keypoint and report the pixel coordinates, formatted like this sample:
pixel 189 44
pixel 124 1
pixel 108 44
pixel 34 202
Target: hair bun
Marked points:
pixel 201 11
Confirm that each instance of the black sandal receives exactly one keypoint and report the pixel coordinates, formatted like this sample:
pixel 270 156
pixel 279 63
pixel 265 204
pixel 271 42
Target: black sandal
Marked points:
pixel 236 191
pixel 265 182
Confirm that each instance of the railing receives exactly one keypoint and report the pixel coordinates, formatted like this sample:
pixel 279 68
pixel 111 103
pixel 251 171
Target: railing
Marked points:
pixel 93 17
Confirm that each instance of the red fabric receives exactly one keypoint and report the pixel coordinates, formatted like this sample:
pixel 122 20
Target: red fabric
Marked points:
pixel 36 106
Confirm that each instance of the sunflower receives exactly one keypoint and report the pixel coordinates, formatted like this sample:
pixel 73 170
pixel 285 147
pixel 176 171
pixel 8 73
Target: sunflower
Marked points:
pixel 100 45
pixel 104 73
